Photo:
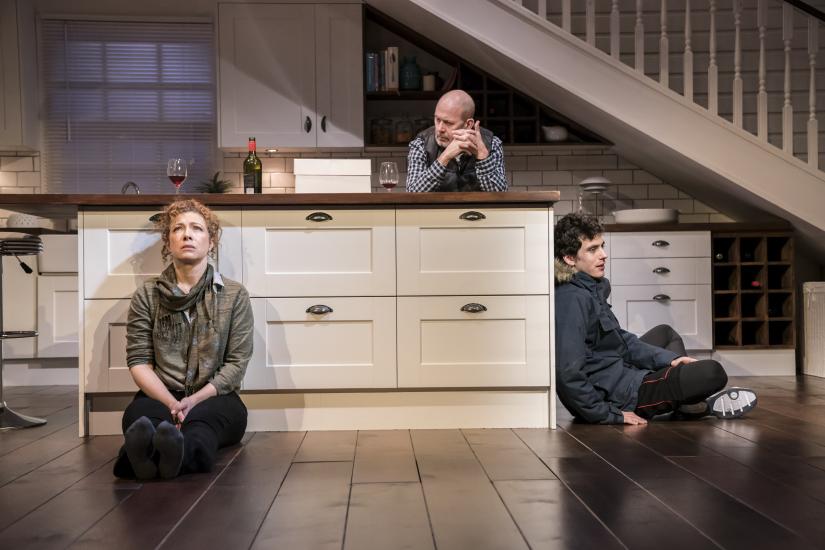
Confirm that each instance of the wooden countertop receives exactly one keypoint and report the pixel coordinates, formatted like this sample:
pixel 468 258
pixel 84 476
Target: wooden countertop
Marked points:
pixel 47 202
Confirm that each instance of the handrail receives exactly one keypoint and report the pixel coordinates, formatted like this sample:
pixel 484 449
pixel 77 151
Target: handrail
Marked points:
pixel 807 8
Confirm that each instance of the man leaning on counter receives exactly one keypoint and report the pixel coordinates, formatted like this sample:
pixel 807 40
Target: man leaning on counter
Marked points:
pixel 456 153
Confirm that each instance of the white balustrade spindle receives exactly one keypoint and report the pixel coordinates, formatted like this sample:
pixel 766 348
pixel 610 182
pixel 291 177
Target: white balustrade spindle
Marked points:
pixel 566 15
pixel 713 69
pixel 542 9
pixel 687 62
pixel 615 33
pixel 590 21
pixel 737 63
pixel 787 107
pixel 664 47
pixel 813 125
pixel 639 35
pixel 762 93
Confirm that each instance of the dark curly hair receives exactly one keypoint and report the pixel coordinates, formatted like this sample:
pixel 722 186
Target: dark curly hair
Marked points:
pixel 571 230
pixel 165 219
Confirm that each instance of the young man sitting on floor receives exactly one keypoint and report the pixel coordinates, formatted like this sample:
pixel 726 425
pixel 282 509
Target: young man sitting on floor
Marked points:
pixel 606 375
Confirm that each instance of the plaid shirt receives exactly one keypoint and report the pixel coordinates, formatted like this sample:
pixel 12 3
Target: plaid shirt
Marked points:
pixel 422 178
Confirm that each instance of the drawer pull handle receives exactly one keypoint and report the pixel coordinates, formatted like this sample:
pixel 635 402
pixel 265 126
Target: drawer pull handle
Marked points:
pixel 472 216
pixel 155 218
pixel 661 270
pixel 307 125
pixel 662 298
pixel 660 244
pixel 319 217
pixel 319 309
pixel 473 308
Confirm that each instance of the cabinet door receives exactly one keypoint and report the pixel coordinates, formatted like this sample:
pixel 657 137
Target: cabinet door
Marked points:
pixel 351 346
pixel 11 122
pixel 686 308
pixel 339 82
pixel 440 345
pixel 267 74
pixel 57 316
pixel 104 346
pixel 121 250
pixel 350 254
pixel 457 252
pixel 660 244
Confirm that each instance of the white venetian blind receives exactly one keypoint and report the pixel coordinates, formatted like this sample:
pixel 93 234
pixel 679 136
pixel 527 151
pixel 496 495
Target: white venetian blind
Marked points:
pixel 121 98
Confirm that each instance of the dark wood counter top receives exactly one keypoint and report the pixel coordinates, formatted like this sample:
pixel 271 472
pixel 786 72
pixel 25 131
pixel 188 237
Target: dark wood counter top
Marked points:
pixel 46 202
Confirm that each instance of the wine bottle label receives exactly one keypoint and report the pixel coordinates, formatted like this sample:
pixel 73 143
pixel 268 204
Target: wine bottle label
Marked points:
pixel 252 182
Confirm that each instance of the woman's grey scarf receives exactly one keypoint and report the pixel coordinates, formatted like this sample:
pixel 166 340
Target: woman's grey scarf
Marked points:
pixel 170 324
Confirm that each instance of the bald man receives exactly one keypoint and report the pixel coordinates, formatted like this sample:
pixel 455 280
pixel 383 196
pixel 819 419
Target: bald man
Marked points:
pixel 456 153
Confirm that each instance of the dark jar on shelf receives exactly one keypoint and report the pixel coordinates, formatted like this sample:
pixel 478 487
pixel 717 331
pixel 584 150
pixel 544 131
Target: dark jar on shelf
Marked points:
pixel 403 131
pixel 381 131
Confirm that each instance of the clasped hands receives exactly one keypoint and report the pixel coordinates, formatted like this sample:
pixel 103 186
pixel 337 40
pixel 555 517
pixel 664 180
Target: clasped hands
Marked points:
pixel 465 140
pixel 180 409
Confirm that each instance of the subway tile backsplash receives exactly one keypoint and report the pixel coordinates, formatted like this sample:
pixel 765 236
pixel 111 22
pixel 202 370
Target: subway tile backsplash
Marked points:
pixel 528 169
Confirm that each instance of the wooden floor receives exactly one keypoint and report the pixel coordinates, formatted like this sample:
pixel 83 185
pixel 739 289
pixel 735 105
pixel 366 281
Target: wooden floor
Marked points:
pixel 751 484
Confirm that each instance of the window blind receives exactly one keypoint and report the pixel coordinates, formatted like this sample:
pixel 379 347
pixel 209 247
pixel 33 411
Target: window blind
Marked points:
pixel 121 98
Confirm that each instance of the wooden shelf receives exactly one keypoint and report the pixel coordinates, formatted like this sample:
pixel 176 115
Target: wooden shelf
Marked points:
pixel 747 317
pixel 404 95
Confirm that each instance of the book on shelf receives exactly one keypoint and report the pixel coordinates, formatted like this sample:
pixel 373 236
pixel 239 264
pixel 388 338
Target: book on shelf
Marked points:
pixel 391 70
pixel 381 70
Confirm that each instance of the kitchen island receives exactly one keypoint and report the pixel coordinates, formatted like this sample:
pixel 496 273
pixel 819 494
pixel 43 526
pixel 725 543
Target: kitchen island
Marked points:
pixel 372 311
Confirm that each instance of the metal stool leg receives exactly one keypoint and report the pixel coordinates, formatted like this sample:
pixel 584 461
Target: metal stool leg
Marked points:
pixel 10 420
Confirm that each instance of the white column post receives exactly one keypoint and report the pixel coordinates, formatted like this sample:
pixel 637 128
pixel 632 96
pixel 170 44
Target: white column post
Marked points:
pixel 687 64
pixel 737 63
pixel 762 94
pixel 713 70
pixel 787 107
pixel 639 34
pixel 614 29
pixel 664 47
pixel 813 125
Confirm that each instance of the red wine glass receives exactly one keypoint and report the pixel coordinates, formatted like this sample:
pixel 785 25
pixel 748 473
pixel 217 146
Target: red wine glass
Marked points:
pixel 176 169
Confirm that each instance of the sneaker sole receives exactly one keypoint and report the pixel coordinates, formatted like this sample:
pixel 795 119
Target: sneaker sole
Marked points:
pixel 732 403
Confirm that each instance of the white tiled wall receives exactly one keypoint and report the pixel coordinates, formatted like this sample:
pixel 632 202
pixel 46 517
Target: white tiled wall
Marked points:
pixel 528 169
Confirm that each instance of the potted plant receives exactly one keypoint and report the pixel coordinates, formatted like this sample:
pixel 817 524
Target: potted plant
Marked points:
pixel 214 185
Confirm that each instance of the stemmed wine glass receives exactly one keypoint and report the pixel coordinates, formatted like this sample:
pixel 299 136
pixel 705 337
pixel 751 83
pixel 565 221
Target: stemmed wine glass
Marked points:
pixel 176 169
pixel 388 175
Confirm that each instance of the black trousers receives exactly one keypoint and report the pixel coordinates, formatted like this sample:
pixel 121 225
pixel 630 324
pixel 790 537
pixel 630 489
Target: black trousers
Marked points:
pixel 662 391
pixel 218 422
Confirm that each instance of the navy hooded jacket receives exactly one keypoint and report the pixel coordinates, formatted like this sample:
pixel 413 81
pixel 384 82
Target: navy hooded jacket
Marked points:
pixel 599 366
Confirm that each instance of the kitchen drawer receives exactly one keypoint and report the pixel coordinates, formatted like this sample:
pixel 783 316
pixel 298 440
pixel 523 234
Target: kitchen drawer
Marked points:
pixel 660 244
pixel 686 308
pixel 473 251
pixel 440 345
pixel 660 271
pixel 343 253
pixel 352 346
pixel 104 346
pixel 121 250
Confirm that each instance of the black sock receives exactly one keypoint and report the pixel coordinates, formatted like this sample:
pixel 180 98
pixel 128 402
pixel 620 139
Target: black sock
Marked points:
pixel 139 448
pixel 168 442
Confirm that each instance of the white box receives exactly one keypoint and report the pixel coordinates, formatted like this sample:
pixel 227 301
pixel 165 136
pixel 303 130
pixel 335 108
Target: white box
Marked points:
pixel 332 167
pixel 332 175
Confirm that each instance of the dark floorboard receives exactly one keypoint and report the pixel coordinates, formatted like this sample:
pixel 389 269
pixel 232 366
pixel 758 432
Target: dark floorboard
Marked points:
pixel 752 483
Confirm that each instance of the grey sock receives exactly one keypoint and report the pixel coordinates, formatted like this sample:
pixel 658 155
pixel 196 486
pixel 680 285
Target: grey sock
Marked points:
pixel 139 448
pixel 168 442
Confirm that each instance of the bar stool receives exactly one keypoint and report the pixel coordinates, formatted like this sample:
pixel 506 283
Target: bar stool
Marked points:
pixel 25 246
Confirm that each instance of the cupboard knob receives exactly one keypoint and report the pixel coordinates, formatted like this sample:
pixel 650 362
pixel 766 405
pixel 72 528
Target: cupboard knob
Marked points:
pixel 319 217
pixel 472 216
pixel 307 125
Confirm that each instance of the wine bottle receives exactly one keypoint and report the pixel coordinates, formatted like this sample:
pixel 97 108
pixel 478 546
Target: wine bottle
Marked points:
pixel 252 171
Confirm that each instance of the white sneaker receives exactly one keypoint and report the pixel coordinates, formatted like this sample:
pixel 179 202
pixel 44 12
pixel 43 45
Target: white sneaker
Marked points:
pixel 731 402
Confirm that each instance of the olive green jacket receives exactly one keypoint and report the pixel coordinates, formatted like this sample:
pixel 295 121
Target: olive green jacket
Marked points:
pixel 233 324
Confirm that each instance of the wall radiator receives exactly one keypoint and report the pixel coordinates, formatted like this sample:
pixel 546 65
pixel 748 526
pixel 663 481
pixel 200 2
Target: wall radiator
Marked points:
pixel 814 313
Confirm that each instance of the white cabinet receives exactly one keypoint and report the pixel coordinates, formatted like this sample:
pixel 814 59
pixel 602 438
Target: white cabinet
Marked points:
pixel 104 346
pixel 17 123
pixel 57 315
pixel 319 252
pixel 473 341
pixel 122 250
pixel 321 343
pixel 473 251
pixel 19 306
pixel 663 278
pixel 290 75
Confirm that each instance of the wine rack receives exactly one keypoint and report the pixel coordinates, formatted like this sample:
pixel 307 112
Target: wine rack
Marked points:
pixel 753 290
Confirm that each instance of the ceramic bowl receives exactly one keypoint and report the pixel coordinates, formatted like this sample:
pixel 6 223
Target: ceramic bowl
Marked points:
pixel 647 215
pixel 554 133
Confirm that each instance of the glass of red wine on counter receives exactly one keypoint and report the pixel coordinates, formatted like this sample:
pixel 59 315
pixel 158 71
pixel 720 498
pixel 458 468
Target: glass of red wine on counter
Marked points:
pixel 176 169
pixel 388 175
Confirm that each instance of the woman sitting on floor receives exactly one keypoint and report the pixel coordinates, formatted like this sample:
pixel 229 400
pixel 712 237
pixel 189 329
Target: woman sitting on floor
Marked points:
pixel 189 339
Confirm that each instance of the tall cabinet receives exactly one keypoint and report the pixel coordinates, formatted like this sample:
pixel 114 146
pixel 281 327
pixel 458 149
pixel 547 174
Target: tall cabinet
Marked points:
pixel 289 74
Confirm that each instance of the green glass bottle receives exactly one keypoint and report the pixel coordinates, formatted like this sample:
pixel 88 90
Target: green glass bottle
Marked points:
pixel 252 171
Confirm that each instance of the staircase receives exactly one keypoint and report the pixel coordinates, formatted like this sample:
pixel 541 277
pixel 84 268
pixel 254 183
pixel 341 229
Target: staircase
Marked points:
pixel 718 97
